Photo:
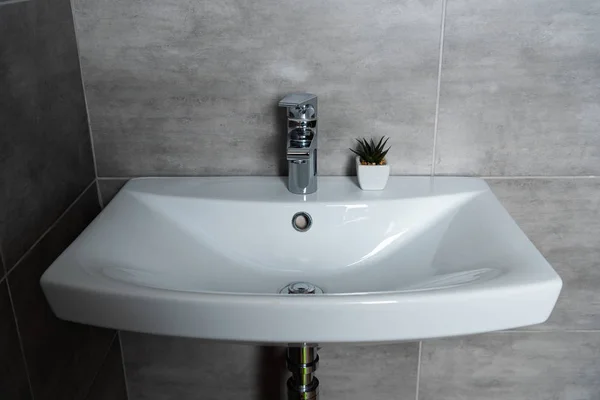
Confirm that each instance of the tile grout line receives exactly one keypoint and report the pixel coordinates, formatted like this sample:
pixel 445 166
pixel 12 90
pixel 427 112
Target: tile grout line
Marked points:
pixel 85 100
pixel 116 178
pixel 439 88
pixel 516 177
pixel 21 346
pixel 98 193
pixel 538 177
pixel 52 226
pixel 123 364
pixel 419 370
pixel 100 198
pixel 93 380
pixel 7 2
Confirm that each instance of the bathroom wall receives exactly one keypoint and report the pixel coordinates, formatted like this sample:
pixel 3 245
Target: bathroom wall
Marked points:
pixel 511 93
pixel 47 196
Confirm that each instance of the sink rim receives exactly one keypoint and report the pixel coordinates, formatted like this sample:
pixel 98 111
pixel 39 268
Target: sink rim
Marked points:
pixel 248 308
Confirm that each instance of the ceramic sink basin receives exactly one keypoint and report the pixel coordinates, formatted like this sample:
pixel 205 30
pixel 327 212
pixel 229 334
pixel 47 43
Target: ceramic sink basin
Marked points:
pixel 207 258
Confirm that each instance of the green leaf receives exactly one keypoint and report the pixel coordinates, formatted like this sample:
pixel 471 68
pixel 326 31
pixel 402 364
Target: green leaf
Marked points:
pixel 384 143
pixel 357 153
pixel 379 147
pixel 384 154
pixel 368 148
pixel 371 151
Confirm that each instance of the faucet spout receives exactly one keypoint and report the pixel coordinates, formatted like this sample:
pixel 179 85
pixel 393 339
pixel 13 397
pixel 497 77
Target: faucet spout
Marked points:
pixel 301 131
pixel 295 99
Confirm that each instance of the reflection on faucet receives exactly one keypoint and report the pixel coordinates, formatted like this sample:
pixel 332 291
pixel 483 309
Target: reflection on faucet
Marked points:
pixel 301 134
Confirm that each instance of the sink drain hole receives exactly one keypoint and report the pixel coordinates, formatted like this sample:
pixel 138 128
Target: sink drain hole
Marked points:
pixel 301 221
pixel 301 288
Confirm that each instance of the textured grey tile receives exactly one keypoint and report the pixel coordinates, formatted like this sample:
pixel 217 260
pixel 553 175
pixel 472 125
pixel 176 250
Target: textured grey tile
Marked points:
pixel 13 377
pixel 17 65
pixel 109 188
pixel 2 268
pixel 5 2
pixel 55 42
pixel 110 381
pixel 512 366
pixel 520 88
pixel 45 151
pixel 62 357
pixel 191 87
pixel 382 372
pixel 42 176
pixel 17 86
pixel 161 368
pixel 166 368
pixel 562 218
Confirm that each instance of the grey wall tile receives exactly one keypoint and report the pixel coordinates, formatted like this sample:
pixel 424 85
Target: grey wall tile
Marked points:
pixel 6 2
pixel 191 87
pixel 110 381
pixel 45 151
pixel 512 366
pixel 45 163
pixel 161 367
pixel 56 44
pixel 2 268
pixel 13 377
pixel 520 88
pixel 62 357
pixel 562 218
pixel 17 66
pixel 165 368
pixel 382 372
pixel 109 188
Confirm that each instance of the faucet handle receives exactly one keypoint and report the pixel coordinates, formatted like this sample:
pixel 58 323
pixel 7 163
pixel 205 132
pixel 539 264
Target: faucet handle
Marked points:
pixel 305 112
pixel 296 99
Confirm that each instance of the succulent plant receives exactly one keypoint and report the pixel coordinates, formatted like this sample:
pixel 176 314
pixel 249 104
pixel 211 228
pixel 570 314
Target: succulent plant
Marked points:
pixel 371 153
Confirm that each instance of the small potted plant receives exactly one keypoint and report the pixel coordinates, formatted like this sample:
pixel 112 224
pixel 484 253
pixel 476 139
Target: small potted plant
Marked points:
pixel 372 168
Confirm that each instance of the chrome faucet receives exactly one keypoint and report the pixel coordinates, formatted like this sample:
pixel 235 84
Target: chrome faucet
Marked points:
pixel 301 134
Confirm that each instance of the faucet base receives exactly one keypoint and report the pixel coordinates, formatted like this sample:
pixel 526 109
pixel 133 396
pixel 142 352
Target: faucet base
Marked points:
pixel 302 176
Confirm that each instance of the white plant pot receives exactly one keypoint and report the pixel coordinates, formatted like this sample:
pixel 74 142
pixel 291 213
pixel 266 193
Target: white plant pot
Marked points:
pixel 372 177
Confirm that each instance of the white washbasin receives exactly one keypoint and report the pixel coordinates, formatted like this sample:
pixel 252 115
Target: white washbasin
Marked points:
pixel 207 257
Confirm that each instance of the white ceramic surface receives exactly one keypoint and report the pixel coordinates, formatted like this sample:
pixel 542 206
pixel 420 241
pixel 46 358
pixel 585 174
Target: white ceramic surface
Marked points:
pixel 206 258
pixel 372 177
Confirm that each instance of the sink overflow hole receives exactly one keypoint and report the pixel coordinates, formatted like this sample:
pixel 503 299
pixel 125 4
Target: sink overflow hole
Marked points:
pixel 301 221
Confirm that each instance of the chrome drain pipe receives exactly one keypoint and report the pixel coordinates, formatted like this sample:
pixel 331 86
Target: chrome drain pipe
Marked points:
pixel 302 362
